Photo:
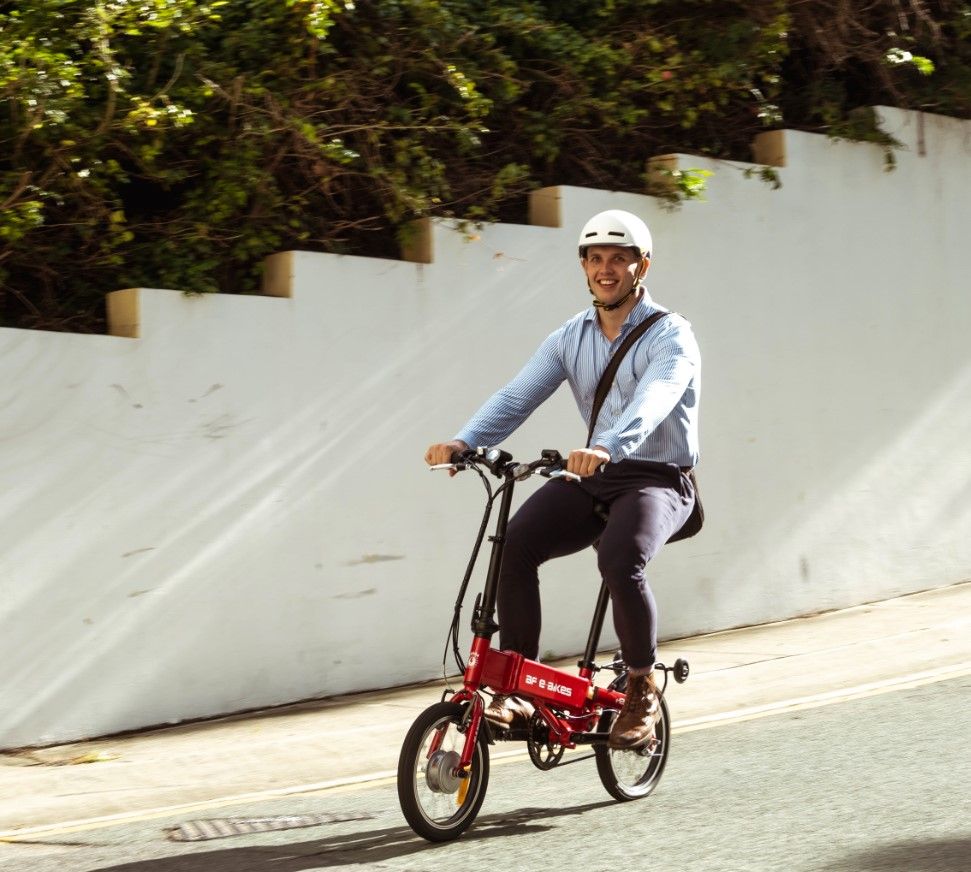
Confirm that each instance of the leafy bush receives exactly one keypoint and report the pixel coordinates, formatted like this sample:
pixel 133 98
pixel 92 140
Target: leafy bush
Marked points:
pixel 176 143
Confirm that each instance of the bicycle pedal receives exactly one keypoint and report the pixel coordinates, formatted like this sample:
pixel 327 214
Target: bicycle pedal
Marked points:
pixel 649 748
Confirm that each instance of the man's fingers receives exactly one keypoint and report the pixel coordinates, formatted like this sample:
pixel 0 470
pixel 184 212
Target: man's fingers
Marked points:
pixel 577 463
pixel 441 452
pixel 585 461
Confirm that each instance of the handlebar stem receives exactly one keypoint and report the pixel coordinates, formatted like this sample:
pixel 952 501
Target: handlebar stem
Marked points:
pixel 484 622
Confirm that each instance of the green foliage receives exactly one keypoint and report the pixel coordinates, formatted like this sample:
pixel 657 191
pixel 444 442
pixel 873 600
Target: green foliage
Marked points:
pixel 769 175
pixel 862 125
pixel 176 143
pixel 676 185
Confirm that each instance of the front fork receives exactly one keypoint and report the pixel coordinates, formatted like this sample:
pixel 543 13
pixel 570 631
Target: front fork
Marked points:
pixel 471 724
pixel 472 720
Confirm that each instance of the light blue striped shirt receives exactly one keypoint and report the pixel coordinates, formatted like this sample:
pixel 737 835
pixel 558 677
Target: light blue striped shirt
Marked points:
pixel 651 411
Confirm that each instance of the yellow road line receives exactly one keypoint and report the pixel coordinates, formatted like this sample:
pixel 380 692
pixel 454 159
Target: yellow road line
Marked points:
pixel 377 779
pixel 861 691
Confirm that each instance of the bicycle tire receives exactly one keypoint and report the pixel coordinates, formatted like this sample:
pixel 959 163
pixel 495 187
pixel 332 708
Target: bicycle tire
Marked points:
pixel 629 775
pixel 436 804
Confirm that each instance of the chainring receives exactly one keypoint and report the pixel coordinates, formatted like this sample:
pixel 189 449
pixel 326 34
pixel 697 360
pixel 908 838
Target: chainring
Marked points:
pixel 543 752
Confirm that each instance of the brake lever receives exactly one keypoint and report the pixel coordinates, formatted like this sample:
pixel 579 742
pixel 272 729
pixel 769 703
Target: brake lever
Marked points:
pixel 457 467
pixel 562 473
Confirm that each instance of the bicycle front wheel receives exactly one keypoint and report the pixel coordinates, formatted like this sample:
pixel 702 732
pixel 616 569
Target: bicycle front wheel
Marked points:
pixel 633 774
pixel 439 803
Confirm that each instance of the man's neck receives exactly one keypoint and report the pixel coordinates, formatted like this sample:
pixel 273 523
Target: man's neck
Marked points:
pixel 612 321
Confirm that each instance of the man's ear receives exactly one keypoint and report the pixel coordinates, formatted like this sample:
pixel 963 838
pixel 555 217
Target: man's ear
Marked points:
pixel 645 266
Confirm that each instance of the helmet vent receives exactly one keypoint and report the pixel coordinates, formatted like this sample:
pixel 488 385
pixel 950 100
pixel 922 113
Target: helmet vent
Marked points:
pixel 616 233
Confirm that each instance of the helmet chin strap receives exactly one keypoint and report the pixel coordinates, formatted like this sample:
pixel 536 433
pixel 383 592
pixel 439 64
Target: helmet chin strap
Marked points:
pixel 609 307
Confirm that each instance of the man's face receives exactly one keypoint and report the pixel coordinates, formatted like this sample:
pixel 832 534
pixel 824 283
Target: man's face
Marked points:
pixel 611 270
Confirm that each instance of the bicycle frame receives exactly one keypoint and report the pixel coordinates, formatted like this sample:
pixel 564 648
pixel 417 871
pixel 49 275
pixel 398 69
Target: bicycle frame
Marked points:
pixel 578 700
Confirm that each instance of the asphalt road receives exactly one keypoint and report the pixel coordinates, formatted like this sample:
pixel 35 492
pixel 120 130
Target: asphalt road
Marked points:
pixel 874 784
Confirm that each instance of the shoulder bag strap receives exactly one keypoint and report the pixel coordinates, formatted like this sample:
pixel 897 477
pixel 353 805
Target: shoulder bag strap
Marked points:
pixel 607 379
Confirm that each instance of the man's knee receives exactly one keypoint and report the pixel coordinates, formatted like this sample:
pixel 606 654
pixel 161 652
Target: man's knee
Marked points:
pixel 620 566
pixel 516 545
pixel 626 557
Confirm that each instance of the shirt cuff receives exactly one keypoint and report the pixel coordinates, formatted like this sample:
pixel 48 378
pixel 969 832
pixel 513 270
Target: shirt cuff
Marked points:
pixel 612 444
pixel 467 437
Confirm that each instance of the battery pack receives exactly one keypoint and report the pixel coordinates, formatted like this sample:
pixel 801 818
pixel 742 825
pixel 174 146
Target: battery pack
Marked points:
pixel 510 673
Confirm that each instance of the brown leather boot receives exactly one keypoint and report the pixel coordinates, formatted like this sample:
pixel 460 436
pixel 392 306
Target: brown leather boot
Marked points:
pixel 634 725
pixel 508 711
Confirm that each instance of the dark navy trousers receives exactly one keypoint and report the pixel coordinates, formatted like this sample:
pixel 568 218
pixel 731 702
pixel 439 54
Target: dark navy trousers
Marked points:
pixel 646 502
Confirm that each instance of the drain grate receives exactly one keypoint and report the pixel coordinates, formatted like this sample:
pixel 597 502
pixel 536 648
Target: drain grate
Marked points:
pixel 222 828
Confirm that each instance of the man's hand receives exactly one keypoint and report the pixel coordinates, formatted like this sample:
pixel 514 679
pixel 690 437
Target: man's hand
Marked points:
pixel 441 452
pixel 586 461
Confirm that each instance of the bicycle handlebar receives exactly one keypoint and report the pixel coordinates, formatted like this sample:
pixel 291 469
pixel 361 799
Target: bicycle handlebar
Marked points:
pixel 501 464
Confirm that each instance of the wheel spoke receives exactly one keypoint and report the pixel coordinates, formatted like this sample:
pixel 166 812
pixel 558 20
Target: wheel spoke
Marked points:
pixel 439 801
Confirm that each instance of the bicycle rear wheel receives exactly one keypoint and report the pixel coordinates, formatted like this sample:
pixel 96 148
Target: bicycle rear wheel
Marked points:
pixel 633 774
pixel 438 804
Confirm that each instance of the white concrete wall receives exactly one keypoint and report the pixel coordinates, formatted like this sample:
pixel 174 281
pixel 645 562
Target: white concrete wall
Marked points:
pixel 230 511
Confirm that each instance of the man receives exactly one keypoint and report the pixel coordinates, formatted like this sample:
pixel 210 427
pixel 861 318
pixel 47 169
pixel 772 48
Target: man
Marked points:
pixel 644 442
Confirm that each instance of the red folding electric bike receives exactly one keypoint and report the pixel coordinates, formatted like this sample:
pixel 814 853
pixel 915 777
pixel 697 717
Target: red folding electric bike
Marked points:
pixel 443 768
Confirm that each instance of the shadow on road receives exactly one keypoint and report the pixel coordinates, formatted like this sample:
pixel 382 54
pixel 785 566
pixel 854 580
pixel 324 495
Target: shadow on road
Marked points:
pixel 352 849
pixel 920 855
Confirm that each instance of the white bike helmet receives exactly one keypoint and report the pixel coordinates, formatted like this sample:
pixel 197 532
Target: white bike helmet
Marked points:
pixel 616 227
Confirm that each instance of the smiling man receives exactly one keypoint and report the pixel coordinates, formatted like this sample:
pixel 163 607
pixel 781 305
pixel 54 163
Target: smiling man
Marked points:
pixel 636 464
